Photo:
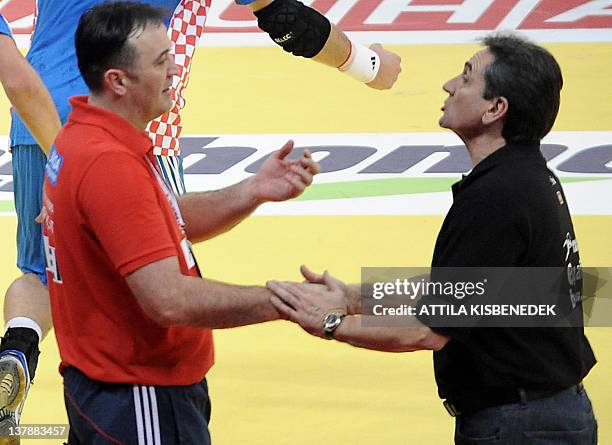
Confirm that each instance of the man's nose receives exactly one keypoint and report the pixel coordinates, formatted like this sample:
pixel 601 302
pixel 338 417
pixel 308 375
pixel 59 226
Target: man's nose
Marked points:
pixel 449 86
pixel 172 68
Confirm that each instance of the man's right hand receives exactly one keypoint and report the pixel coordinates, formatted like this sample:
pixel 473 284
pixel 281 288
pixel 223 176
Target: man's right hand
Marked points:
pixel 307 304
pixel 390 68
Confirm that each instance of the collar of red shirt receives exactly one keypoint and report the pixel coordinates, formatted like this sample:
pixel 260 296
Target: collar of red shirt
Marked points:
pixel 118 127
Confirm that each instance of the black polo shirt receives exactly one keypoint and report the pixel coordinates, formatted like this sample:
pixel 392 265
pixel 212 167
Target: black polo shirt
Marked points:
pixel 510 211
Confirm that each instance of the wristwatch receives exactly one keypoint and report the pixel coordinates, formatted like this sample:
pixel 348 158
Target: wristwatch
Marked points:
pixel 331 323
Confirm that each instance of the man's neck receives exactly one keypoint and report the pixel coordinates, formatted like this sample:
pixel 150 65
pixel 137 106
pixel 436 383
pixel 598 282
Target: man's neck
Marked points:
pixel 479 147
pixel 117 108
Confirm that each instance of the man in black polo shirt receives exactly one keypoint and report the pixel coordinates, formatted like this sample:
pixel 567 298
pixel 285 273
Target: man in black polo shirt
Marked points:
pixel 505 385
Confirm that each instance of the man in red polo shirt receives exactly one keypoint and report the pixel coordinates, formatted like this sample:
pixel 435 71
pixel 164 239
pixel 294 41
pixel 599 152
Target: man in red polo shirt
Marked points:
pixel 133 315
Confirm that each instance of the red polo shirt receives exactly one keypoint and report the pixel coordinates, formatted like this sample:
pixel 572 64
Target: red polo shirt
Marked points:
pixel 106 217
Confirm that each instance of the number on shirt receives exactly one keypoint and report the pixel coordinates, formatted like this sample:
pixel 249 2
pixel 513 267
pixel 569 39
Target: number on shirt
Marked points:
pixel 51 260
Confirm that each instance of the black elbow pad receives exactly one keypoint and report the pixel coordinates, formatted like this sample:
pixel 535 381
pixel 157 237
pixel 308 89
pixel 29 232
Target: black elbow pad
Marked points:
pixel 298 29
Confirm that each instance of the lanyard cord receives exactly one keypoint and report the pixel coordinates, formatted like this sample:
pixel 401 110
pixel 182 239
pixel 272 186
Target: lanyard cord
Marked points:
pixel 169 195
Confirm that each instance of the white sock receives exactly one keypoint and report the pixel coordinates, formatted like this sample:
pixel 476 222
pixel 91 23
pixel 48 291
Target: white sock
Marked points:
pixel 24 322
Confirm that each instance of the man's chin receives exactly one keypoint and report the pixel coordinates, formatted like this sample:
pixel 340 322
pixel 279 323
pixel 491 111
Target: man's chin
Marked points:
pixel 160 113
pixel 166 107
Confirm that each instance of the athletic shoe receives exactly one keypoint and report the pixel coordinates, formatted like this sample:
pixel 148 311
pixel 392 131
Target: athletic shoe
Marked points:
pixel 14 386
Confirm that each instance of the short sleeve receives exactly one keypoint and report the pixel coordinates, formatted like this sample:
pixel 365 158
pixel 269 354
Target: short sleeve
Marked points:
pixel 4 27
pixel 120 205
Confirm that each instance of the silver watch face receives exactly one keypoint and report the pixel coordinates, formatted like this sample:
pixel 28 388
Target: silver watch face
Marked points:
pixel 331 322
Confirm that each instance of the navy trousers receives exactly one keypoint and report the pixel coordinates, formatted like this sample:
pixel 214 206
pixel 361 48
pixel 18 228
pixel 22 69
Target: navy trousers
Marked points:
pixel 565 418
pixel 104 413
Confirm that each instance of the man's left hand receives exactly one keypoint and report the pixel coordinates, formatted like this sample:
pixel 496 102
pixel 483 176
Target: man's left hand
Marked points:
pixel 280 179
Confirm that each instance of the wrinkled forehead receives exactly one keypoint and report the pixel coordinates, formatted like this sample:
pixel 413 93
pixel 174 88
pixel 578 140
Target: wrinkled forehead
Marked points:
pixel 479 62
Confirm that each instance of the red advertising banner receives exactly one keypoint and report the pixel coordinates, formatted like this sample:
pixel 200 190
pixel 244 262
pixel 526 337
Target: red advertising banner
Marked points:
pixel 403 21
pixel 402 15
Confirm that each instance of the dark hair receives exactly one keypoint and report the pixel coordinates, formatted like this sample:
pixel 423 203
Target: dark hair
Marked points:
pixel 101 39
pixel 530 78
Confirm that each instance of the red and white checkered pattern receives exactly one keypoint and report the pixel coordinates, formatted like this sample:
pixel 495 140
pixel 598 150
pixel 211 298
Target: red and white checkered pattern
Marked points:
pixel 186 28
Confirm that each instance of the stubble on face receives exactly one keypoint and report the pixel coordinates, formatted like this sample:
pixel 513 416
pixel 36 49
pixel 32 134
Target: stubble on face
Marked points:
pixel 465 105
pixel 152 72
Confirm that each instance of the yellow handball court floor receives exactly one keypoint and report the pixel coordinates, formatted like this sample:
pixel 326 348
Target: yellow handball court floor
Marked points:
pixel 272 383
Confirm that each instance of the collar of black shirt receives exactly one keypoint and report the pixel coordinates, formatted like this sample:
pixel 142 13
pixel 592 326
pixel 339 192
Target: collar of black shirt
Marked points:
pixel 509 152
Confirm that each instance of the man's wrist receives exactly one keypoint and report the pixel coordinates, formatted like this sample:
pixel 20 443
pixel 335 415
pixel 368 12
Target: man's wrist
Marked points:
pixel 353 297
pixel 250 192
pixel 361 64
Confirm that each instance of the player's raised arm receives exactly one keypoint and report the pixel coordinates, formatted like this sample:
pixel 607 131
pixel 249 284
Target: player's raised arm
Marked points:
pixel 305 32
pixel 28 94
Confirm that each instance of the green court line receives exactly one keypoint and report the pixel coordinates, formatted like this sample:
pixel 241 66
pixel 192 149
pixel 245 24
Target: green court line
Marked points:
pixel 393 186
pixel 376 187
pixel 368 188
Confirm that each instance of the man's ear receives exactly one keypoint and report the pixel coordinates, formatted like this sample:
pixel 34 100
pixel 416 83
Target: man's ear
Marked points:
pixel 498 108
pixel 115 80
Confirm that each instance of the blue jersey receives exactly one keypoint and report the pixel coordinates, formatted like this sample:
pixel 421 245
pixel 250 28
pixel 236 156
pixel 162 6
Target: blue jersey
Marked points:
pixel 53 55
pixel 4 26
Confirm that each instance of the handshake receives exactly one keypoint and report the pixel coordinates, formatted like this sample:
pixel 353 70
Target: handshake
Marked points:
pixel 319 304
